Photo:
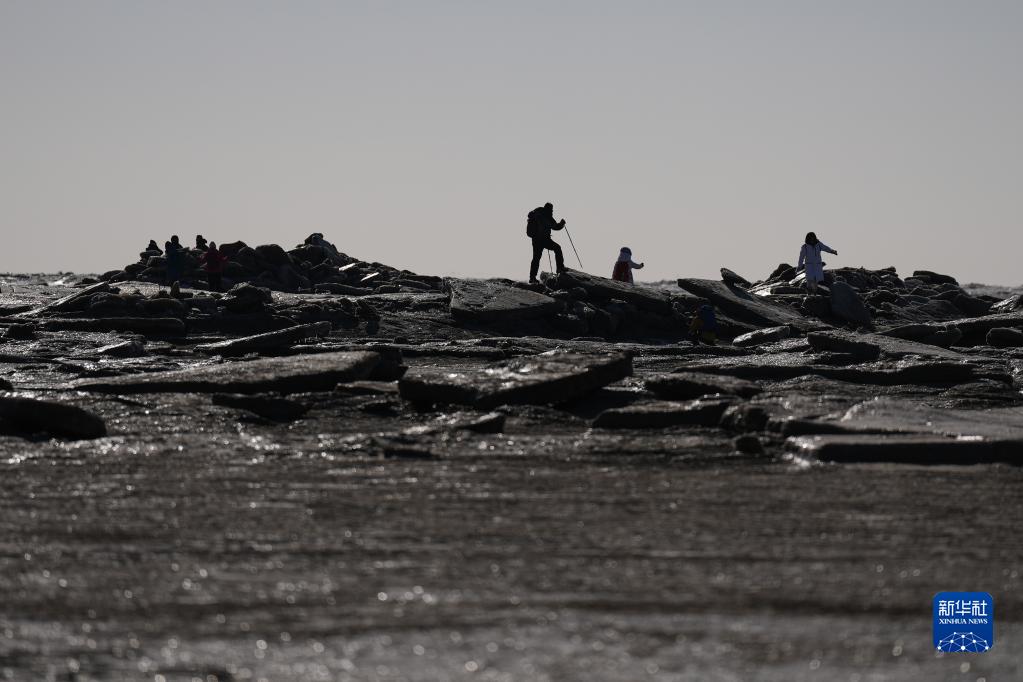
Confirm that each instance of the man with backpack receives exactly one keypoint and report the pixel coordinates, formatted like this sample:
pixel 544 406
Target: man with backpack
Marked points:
pixel 539 224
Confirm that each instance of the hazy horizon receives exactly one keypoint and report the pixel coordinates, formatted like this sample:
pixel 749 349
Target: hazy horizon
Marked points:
pixel 701 134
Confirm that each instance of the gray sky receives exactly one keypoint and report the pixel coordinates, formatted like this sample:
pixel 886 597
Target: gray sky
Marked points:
pixel 419 134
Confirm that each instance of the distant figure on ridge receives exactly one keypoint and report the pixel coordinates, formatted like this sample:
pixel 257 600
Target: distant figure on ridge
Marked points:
pixel 810 255
pixel 316 239
pixel 704 326
pixel 150 251
pixel 539 224
pixel 213 263
pixel 175 255
pixel 623 268
pixel 200 243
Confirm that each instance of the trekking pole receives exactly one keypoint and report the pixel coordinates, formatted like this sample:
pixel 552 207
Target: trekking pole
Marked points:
pixel 573 247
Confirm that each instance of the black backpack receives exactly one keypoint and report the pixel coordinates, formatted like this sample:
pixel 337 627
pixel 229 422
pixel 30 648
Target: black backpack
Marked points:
pixel 533 228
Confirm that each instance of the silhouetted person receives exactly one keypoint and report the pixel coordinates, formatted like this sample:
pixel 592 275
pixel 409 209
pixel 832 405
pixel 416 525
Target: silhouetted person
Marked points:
pixel 538 228
pixel 200 243
pixel 316 239
pixel 213 264
pixel 623 268
pixel 810 255
pixel 150 251
pixel 175 259
pixel 704 326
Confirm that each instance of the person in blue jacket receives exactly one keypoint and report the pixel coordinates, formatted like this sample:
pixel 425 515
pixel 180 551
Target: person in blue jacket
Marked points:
pixel 704 326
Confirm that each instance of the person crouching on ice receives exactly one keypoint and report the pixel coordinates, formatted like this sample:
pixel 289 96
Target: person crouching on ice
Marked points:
pixel 623 268
pixel 704 326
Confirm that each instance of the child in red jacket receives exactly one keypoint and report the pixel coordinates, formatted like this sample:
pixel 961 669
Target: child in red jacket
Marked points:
pixel 213 264
pixel 623 268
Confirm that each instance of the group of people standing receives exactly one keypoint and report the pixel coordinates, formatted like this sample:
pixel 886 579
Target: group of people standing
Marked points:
pixel 540 223
pixel 212 260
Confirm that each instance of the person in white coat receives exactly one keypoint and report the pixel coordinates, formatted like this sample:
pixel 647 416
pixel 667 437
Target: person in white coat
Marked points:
pixel 810 256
